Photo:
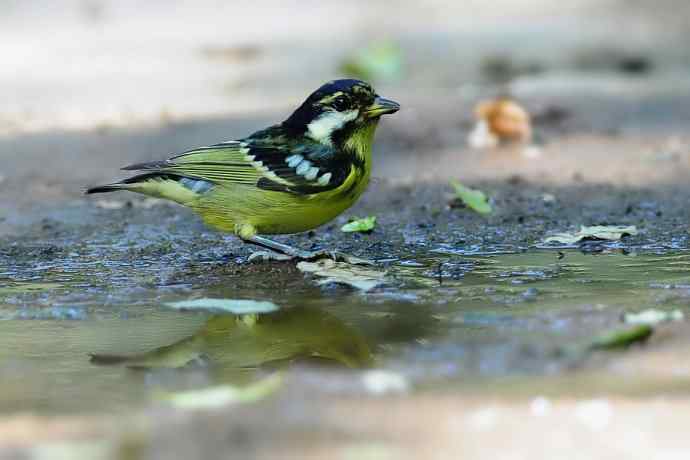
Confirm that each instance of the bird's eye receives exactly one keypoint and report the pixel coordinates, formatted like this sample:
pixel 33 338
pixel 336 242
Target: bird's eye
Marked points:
pixel 340 103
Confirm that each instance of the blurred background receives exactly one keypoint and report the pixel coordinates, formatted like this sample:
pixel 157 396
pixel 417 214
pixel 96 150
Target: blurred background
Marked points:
pixel 213 70
pixel 564 113
pixel 86 63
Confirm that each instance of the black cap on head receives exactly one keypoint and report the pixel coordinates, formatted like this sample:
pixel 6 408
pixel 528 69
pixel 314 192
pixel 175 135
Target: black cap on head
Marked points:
pixel 359 93
pixel 345 85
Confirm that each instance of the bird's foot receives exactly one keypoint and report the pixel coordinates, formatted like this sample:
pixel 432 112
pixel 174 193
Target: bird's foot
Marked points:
pixel 265 256
pixel 308 256
pixel 337 256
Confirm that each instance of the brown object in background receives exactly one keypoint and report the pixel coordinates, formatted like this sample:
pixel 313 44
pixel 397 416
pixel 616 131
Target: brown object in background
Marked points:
pixel 501 120
pixel 506 119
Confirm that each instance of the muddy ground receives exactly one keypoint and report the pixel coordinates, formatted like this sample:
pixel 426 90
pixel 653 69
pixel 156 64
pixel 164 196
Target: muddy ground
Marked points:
pixel 479 341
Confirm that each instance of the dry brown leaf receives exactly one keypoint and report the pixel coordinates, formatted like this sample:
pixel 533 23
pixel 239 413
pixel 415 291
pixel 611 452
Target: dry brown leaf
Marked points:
pixel 331 271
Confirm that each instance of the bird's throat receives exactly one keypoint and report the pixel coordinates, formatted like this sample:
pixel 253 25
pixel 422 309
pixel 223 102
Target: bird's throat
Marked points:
pixel 359 142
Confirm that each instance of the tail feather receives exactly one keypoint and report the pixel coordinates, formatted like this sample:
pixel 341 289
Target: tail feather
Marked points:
pixel 125 184
pixel 151 166
pixel 159 185
pixel 104 188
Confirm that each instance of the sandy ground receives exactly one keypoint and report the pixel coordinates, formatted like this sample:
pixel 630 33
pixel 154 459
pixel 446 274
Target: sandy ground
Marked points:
pixel 120 83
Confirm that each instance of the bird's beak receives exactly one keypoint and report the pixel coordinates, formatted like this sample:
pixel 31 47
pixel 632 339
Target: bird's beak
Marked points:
pixel 382 106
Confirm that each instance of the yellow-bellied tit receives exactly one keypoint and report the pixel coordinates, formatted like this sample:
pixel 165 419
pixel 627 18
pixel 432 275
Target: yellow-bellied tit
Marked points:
pixel 288 178
pixel 233 342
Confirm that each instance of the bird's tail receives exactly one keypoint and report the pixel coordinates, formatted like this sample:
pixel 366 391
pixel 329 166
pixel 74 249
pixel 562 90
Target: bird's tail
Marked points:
pixel 105 188
pixel 133 184
pixel 158 185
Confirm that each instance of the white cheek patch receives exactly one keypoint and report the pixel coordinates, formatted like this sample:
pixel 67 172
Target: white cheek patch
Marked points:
pixel 327 123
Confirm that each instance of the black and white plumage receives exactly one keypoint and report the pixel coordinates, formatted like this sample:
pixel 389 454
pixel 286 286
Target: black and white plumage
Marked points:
pixel 290 177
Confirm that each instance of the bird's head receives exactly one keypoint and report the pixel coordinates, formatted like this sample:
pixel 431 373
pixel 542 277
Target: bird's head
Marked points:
pixel 337 110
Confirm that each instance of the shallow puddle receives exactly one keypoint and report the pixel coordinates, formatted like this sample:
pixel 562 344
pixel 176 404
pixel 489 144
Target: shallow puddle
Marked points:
pixel 74 341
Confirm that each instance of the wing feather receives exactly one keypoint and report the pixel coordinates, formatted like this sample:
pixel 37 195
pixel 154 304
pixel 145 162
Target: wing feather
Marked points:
pixel 300 169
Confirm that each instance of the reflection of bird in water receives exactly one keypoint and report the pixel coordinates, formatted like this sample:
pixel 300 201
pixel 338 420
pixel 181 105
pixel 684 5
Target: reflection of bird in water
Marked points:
pixel 239 342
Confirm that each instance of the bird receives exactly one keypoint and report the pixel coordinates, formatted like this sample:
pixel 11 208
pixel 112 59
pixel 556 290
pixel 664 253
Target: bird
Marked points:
pixel 289 178
pixel 232 343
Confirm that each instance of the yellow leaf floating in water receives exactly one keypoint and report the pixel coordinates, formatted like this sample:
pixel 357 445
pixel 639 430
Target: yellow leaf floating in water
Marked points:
pixel 473 199
pixel 596 232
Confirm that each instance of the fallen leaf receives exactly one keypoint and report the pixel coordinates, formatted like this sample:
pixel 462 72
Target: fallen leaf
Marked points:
pixel 622 338
pixel 473 199
pixel 653 316
pixel 380 61
pixel 331 271
pixel 224 395
pixel 364 225
pixel 597 232
pixel 234 306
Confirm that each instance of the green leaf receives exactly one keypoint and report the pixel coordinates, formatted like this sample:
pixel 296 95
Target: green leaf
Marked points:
pixel 622 338
pixel 596 232
pixel 223 395
pixel 234 306
pixel 473 199
pixel 363 225
pixel 379 61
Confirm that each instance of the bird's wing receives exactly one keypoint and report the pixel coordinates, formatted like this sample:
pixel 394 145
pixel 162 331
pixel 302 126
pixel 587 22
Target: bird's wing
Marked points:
pixel 280 166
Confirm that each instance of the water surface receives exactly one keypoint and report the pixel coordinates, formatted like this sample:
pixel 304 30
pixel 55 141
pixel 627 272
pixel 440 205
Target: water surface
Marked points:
pixel 440 320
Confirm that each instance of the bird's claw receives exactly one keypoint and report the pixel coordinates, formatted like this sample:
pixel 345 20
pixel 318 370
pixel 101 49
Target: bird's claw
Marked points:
pixel 265 256
pixel 308 256
pixel 336 256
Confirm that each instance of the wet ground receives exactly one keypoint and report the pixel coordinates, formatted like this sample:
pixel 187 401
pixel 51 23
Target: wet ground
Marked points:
pixel 440 321
pixel 472 309
pixel 479 338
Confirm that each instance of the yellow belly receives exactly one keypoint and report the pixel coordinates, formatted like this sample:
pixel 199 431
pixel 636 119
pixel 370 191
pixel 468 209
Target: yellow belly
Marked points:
pixel 229 207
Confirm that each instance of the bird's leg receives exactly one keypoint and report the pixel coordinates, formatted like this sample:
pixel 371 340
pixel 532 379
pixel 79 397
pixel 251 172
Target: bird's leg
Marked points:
pixel 286 252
